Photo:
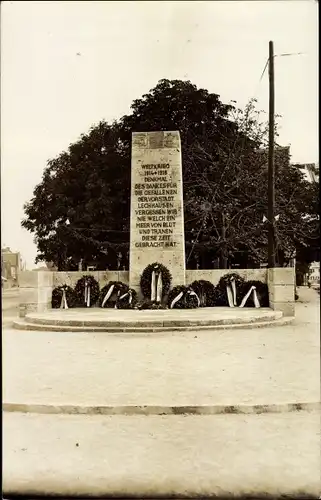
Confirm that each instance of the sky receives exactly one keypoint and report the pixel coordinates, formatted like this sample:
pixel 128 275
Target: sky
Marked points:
pixel 67 65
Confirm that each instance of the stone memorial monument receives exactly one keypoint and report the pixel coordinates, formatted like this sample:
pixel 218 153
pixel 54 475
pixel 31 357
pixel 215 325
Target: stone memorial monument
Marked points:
pixel 157 250
pixel 157 215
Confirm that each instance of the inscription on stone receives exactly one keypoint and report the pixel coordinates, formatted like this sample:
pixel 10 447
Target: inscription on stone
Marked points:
pixel 156 212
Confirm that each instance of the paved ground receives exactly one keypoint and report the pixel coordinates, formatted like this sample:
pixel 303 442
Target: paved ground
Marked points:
pixel 269 366
pixel 9 306
pixel 172 454
pixel 149 455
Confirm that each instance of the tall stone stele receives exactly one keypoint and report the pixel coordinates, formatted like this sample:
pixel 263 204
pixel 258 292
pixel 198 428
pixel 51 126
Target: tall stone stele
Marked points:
pixel 157 215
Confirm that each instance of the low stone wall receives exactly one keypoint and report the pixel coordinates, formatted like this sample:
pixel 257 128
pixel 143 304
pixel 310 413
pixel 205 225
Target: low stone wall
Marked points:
pixel 214 275
pixel 281 283
pixel 36 286
pixel 103 277
pixel 35 289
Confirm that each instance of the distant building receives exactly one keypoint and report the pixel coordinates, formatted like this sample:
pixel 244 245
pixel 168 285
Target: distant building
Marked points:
pixel 314 273
pixel 10 266
pixel 310 170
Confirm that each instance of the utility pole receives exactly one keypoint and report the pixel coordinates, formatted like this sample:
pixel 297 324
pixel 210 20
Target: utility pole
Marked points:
pixel 271 173
pixel 223 252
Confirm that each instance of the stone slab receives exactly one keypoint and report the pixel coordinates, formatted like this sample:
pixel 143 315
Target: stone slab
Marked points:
pixel 111 317
pixel 105 276
pixel 123 276
pixel 27 307
pixel 214 275
pixel 281 293
pixel 281 276
pixel 134 330
pixel 28 279
pixel 157 225
pixel 34 279
pixel 255 275
pixel 45 295
pixel 28 294
pixel 287 308
pixel 111 320
pixel 70 278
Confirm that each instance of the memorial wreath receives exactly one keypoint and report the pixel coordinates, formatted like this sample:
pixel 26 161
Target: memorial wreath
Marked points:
pixel 63 297
pixel 255 294
pixel 155 282
pixel 229 290
pixel 183 297
pixel 87 291
pixel 111 292
pixel 205 290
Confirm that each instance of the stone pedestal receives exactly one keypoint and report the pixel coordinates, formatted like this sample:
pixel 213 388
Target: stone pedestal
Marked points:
pixel 35 291
pixel 157 217
pixel 281 283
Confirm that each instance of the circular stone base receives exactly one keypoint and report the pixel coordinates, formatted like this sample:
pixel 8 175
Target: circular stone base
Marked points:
pixel 114 320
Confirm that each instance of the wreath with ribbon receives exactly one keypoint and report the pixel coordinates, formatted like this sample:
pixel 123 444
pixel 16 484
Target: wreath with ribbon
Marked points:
pixel 183 297
pixel 127 300
pixel 63 297
pixel 110 293
pixel 229 290
pixel 205 290
pixel 87 291
pixel 155 282
pixel 255 294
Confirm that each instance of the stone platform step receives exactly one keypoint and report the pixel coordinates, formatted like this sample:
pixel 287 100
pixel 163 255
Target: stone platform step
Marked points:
pixel 125 321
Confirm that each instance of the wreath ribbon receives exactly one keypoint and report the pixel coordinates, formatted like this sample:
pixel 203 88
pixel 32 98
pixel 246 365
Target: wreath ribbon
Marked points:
pixel 125 295
pixel 159 288
pixel 180 295
pixel 234 290
pixel 115 306
pixel 152 296
pixel 108 295
pixel 64 304
pixel 87 294
pixel 156 287
pixel 176 299
pixel 252 290
pixel 256 299
pixel 231 293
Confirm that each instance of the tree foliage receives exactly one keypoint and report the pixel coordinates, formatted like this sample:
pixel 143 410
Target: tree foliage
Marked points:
pixel 81 208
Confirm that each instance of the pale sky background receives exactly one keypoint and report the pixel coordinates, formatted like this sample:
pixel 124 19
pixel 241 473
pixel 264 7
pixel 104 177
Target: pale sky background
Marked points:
pixel 50 95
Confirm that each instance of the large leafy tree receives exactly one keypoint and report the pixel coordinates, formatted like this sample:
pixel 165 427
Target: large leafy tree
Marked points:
pixel 82 202
pixel 231 213
pixel 81 208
